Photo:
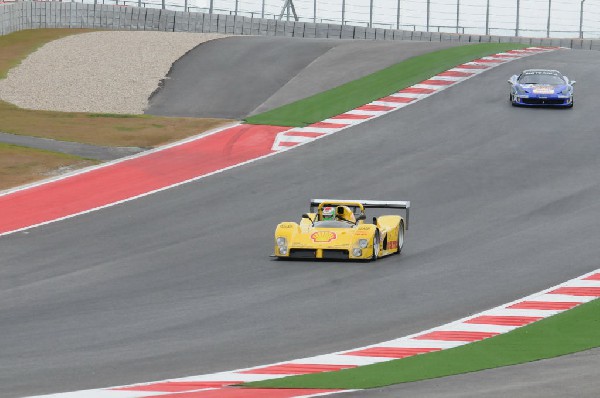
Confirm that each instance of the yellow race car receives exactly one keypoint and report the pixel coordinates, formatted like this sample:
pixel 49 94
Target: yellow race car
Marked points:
pixel 336 229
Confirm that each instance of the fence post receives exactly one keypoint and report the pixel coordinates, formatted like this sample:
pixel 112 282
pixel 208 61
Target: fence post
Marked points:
pixel 549 16
pixel 457 14
pixel 518 17
pixel 487 18
pixel 581 20
pixel 398 17
pixel 428 10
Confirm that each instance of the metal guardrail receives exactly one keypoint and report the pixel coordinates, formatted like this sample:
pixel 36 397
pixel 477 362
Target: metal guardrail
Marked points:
pixel 567 18
pixel 27 15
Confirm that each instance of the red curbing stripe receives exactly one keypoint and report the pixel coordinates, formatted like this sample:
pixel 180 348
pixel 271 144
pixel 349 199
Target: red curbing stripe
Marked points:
pixel 328 125
pixel 230 392
pixel 465 66
pixel 402 100
pixel 391 352
pixel 297 368
pixel 595 277
pixel 504 320
pixel 178 386
pixel 417 90
pixel 288 143
pixel 431 82
pixel 308 134
pixel 349 116
pixel 453 73
pixel 543 305
pixel 380 108
pixel 456 336
pixel 578 291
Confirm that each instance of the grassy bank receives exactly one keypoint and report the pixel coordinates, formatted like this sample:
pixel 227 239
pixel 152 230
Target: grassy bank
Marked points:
pixel 20 165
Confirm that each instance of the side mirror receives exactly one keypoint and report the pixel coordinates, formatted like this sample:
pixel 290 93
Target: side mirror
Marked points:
pixel 573 82
pixel 361 217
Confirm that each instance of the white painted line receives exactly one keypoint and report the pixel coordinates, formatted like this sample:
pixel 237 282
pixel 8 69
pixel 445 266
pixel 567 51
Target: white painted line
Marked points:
pixel 396 105
pixel 448 78
pixel 409 95
pixel 563 298
pixel 475 327
pixel 345 121
pixel 368 113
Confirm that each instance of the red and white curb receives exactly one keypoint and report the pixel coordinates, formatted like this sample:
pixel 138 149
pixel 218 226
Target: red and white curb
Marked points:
pixel 393 102
pixel 490 323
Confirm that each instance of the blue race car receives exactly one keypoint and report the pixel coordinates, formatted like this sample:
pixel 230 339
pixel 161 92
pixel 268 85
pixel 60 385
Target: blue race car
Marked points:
pixel 541 87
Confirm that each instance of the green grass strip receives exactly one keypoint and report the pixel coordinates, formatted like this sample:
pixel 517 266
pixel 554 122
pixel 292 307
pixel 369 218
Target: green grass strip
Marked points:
pixel 376 85
pixel 571 331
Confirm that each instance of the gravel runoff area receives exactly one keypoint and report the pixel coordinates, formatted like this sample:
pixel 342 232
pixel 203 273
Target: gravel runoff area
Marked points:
pixel 99 72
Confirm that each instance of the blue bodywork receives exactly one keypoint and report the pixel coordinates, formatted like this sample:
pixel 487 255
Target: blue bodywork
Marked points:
pixel 540 87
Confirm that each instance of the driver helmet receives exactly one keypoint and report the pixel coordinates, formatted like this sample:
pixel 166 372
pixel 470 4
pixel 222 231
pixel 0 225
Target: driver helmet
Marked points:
pixel 328 213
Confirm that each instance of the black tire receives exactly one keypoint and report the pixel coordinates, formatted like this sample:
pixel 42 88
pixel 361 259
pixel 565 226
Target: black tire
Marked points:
pixel 376 246
pixel 400 238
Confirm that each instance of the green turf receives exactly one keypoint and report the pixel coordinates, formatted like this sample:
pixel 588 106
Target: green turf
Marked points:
pixel 571 331
pixel 374 86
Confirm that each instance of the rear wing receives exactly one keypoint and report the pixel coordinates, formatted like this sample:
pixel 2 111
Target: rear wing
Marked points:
pixel 369 204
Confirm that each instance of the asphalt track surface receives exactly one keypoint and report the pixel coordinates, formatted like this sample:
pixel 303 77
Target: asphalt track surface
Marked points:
pixel 180 283
pixel 256 74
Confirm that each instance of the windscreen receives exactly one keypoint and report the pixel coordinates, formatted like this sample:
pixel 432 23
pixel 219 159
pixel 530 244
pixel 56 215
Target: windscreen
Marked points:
pixel 541 78
pixel 333 224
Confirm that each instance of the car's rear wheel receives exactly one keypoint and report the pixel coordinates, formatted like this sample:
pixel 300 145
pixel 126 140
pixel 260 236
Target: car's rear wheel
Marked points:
pixel 400 238
pixel 376 244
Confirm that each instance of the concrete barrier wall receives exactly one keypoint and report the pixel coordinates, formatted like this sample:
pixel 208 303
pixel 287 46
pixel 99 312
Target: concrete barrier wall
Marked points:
pixel 34 15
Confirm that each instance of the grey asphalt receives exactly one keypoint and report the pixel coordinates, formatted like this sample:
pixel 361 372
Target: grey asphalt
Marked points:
pixel 180 282
pixel 72 148
pixel 239 76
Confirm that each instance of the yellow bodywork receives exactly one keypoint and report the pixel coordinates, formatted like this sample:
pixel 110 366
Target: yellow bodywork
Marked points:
pixel 354 239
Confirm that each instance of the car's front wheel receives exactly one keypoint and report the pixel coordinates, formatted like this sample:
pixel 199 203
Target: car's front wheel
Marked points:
pixel 376 244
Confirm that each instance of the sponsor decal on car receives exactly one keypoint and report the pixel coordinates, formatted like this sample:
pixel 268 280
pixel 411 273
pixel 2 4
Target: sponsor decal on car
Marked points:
pixel 543 90
pixel 323 236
